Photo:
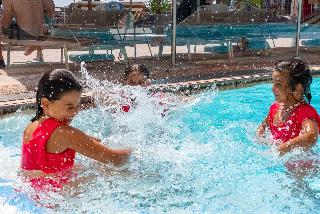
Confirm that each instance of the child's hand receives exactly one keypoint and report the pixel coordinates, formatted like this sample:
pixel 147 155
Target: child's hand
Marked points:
pixel 125 152
pixel 260 131
pixel 283 148
pixel 123 155
pixel 45 29
pixel 2 36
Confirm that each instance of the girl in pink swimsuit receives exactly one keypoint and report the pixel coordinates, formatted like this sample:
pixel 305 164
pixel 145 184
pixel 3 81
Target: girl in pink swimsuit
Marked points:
pixel 50 143
pixel 293 122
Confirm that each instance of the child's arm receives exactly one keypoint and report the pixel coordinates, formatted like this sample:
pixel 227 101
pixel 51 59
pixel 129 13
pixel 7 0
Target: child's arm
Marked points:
pixel 68 137
pixel 261 129
pixel 307 137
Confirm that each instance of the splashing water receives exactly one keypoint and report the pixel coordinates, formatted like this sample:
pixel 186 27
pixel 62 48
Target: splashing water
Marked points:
pixel 201 157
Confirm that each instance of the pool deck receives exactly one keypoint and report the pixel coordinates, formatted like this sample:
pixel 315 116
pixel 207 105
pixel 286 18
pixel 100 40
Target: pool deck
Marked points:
pixel 196 71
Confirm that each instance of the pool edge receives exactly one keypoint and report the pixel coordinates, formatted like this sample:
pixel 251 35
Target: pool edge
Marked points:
pixel 224 83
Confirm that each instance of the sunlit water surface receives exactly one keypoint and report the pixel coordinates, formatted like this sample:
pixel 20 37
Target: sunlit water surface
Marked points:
pixel 201 157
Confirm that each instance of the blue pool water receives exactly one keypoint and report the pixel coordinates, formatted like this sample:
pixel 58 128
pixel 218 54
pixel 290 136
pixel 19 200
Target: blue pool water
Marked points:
pixel 202 157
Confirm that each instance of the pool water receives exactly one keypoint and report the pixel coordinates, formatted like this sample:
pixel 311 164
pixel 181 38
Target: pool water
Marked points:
pixel 202 157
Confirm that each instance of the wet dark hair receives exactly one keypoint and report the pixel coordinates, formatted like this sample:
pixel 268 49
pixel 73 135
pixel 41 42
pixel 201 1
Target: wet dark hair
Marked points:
pixel 299 72
pixel 53 85
pixel 141 67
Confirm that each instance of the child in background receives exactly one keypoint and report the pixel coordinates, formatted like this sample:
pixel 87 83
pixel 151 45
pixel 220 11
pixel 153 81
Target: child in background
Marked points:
pixel 293 122
pixel 135 75
pixel 138 75
pixel 49 142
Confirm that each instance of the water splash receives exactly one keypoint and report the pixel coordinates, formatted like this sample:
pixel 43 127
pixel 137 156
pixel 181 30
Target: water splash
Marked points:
pixel 201 157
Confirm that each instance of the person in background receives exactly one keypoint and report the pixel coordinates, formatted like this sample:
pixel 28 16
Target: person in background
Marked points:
pixel 49 9
pixel 138 75
pixel 135 75
pixel 30 17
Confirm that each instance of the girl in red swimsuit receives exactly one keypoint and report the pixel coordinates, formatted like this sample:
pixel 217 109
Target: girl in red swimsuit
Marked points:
pixel 293 122
pixel 49 142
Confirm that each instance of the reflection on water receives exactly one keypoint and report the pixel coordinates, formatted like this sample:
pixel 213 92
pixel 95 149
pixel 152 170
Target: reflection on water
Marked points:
pixel 202 156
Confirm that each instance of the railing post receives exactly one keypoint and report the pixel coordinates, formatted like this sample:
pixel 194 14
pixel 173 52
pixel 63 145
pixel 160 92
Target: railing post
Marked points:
pixel 298 27
pixel 135 42
pixel 230 50
pixel 174 32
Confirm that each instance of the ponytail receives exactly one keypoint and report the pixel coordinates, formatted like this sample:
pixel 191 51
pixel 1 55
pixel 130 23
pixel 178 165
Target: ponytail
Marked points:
pixel 309 97
pixel 38 107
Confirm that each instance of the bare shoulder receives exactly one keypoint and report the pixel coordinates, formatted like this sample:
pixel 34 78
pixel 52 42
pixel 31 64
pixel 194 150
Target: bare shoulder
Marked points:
pixel 62 133
pixel 66 131
pixel 28 131
pixel 66 135
pixel 60 139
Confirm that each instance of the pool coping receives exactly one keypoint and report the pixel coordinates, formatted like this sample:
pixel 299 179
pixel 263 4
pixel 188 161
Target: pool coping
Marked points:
pixel 221 83
pixel 233 82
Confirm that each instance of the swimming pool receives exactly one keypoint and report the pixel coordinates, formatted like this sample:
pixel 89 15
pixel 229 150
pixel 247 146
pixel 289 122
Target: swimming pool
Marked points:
pixel 202 157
